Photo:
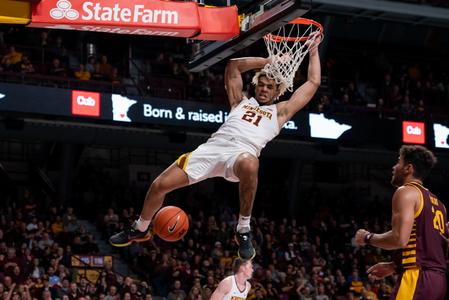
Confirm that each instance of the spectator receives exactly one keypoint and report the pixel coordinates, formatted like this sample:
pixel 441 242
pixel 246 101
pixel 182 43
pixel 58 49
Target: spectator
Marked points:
pixel 82 73
pixel 91 63
pixel 13 56
pixel 57 226
pixel 26 66
pixel 111 221
pixel 115 77
pixel 112 293
pixel 57 69
pixel 6 65
pixel 177 293
pixel 69 220
pixel 45 242
pixel 104 67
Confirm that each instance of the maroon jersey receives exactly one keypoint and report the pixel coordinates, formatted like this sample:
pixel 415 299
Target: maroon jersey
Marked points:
pixel 426 247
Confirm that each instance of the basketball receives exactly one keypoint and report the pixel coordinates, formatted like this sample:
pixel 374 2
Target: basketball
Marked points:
pixel 171 223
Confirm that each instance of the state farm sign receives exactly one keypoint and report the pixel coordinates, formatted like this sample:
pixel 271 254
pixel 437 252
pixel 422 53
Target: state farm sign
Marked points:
pixel 98 12
pixel 181 18
pixel 151 17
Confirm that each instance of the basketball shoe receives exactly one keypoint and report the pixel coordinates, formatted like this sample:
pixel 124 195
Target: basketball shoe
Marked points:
pixel 128 235
pixel 246 249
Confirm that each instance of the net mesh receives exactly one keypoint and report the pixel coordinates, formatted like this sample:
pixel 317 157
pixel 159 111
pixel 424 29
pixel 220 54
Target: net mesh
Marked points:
pixel 287 50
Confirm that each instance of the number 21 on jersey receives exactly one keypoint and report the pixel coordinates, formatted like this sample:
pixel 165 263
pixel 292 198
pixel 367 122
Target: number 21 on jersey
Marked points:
pixel 251 117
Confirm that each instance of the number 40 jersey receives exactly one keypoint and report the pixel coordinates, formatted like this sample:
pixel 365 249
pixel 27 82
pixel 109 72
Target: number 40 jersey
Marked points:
pixel 427 246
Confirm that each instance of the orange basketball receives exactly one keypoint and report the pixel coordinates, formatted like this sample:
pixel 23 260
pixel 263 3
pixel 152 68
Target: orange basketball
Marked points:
pixel 171 223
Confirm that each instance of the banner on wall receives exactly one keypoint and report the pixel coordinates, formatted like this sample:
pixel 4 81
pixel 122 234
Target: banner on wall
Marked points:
pixel 128 110
pixel 413 132
pixel 138 17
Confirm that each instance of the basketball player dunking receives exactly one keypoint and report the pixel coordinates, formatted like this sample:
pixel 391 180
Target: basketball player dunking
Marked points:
pixel 235 287
pixel 232 152
pixel 418 232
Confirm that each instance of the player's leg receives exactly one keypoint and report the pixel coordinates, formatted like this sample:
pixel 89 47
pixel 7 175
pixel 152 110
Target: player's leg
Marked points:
pixel 246 168
pixel 171 179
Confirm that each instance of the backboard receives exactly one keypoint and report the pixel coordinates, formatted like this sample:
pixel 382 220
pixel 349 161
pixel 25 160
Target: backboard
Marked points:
pixel 257 18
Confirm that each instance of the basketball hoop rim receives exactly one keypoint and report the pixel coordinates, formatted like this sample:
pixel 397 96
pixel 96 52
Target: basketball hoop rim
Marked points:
pixel 297 21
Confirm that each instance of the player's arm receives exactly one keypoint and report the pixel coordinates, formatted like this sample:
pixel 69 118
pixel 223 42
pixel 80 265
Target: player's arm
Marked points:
pixel 233 76
pixel 405 200
pixel 222 289
pixel 305 92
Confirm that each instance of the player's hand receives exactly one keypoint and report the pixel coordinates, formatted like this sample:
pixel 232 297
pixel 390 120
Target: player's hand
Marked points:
pixel 360 237
pixel 381 270
pixel 314 41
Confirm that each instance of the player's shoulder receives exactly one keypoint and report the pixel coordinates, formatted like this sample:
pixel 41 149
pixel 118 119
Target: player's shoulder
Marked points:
pixel 280 104
pixel 408 188
pixel 226 283
pixel 407 192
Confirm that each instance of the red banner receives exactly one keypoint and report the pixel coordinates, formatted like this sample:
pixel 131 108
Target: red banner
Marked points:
pixel 413 132
pixel 140 17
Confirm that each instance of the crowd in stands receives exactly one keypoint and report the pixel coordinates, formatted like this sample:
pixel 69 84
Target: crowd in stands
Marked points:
pixel 38 244
pixel 38 55
pixel 310 258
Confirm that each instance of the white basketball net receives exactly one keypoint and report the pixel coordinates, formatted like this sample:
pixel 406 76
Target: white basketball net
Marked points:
pixel 287 50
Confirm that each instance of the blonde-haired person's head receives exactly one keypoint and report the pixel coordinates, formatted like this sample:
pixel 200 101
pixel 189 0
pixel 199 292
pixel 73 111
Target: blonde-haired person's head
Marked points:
pixel 281 87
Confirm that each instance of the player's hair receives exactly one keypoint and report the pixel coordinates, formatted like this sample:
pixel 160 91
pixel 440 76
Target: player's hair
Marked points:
pixel 238 262
pixel 280 86
pixel 422 159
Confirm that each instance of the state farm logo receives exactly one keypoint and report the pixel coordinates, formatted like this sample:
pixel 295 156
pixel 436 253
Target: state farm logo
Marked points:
pixel 64 10
pixel 91 11
pixel 85 103
pixel 413 132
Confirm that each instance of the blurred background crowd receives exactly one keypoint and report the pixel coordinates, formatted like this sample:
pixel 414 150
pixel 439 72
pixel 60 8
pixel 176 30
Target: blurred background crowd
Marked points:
pixel 312 257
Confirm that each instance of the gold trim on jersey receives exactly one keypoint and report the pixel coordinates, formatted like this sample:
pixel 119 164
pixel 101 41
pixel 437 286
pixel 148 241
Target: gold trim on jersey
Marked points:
pixel 408 284
pixel 409 260
pixel 183 160
pixel 410 246
pixel 421 204
pixel 416 183
pixel 408 253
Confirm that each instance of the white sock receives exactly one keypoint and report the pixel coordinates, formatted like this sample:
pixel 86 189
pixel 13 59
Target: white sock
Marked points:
pixel 243 225
pixel 142 225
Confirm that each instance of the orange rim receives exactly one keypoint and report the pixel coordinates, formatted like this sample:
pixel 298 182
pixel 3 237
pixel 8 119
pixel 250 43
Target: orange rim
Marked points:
pixel 297 21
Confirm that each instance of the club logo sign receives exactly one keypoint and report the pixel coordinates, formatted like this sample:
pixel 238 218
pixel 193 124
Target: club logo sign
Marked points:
pixel 413 132
pixel 85 103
